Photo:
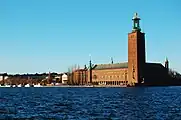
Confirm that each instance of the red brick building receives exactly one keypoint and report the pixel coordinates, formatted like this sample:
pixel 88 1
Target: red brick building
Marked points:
pixel 134 72
pixel 110 74
pixel 80 77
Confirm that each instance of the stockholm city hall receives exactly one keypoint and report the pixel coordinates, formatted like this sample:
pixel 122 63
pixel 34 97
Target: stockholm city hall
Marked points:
pixel 134 72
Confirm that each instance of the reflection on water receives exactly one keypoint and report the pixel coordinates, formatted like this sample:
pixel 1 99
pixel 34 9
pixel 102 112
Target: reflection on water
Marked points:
pixel 91 103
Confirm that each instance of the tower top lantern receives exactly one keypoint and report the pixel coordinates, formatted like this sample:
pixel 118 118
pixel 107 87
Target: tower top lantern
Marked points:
pixel 136 24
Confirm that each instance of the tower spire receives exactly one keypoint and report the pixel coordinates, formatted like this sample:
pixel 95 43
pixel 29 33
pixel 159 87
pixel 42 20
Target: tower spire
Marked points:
pixel 90 70
pixel 136 24
pixel 112 60
pixel 136 53
pixel 167 64
pixel 166 59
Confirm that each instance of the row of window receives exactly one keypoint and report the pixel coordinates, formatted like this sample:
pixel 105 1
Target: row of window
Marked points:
pixel 113 73
pixel 123 76
pixel 112 82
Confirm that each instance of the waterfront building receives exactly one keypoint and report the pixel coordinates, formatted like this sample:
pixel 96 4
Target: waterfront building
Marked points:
pixel 80 76
pixel 3 77
pixel 110 74
pixel 64 79
pixel 136 70
pixel 57 79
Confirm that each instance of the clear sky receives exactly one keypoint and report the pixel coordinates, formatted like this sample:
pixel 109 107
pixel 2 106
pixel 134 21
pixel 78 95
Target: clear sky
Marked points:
pixel 52 35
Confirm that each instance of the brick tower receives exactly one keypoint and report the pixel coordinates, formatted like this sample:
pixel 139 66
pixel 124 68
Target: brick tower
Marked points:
pixel 136 53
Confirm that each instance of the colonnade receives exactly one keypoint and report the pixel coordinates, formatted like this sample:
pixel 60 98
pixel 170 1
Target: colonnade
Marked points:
pixel 112 82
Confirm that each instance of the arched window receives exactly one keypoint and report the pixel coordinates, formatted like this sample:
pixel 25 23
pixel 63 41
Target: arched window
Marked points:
pixel 94 76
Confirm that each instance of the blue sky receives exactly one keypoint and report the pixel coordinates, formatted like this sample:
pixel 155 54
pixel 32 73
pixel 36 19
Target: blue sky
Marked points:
pixel 52 35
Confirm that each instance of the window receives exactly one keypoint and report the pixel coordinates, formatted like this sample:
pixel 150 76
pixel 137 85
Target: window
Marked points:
pixel 94 76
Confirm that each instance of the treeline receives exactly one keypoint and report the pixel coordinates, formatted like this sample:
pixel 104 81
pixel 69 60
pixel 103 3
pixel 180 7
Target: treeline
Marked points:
pixel 29 78
pixel 74 75
pixel 31 75
pixel 174 74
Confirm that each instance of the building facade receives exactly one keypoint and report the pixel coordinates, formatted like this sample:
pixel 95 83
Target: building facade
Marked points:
pixel 124 73
pixel 110 74
pixel 64 78
pixel 136 53
pixel 80 77
pixel 134 72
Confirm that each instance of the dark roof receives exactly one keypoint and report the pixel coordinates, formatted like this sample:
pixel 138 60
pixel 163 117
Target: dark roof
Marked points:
pixel 80 70
pixel 110 66
pixel 154 65
pixel 155 68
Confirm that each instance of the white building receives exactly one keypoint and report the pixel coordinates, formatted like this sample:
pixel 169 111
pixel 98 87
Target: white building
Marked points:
pixel 5 77
pixel 1 78
pixel 64 78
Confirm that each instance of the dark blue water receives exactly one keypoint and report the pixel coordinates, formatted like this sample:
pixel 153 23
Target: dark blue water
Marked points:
pixel 91 103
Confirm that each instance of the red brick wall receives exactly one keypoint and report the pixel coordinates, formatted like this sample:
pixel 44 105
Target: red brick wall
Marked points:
pixel 109 75
pixel 80 76
pixel 136 56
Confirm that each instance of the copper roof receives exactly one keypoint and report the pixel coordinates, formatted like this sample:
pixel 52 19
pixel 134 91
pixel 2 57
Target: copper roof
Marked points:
pixel 110 66
pixel 80 70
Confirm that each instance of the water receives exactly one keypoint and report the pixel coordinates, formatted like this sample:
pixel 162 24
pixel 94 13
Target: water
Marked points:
pixel 91 103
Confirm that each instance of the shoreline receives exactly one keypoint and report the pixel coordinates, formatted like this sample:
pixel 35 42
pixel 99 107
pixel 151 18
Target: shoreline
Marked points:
pixel 90 86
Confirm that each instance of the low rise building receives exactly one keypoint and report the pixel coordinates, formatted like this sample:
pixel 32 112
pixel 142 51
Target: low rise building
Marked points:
pixel 64 78
pixel 80 76
pixel 110 74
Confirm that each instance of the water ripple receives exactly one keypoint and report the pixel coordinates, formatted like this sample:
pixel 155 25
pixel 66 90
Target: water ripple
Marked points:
pixel 91 103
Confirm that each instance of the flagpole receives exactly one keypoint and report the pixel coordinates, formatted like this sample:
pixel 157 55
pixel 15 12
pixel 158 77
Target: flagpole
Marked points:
pixel 90 66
